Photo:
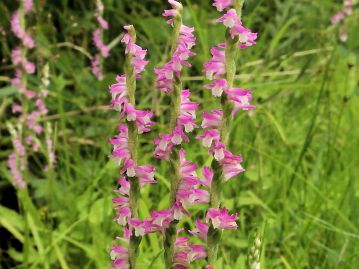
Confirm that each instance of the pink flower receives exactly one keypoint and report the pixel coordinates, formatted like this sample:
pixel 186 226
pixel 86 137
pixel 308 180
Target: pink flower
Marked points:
pixel 182 249
pixel 178 210
pixel 141 118
pixel 208 136
pixel 164 146
pixel 338 17
pixel 212 119
pixel 187 111
pixel 138 54
pixel 216 66
pixel 95 67
pixel 16 56
pixel 162 218
pixel 232 21
pixel 194 196
pixel 218 150
pixel 208 176
pixel 245 36
pixel 41 106
pixel 120 202
pixel 241 98
pixel 165 74
pixel 96 37
pixel 119 93
pixel 123 215
pixel 28 4
pixel 145 174
pixel 120 144
pixel 16 59
pixel 16 108
pixel 16 28
pixel 17 179
pixel 176 8
pixel 177 136
pixel 28 66
pixel 102 21
pixel 222 4
pixel 200 231
pixel 188 191
pixel 188 172
pixel 197 252
pixel 217 87
pixel 119 257
pixel 221 219
pixel 124 186
pixel 142 227
pixel 231 165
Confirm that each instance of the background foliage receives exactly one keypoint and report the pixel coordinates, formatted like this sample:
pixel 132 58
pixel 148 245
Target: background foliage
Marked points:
pixel 300 145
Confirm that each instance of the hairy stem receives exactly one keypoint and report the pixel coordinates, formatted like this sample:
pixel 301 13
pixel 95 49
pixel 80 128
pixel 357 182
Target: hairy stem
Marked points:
pixel 214 235
pixel 133 143
pixel 170 233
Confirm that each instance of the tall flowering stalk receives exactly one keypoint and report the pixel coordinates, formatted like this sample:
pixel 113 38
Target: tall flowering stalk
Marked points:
pixel 184 184
pixel 125 145
pixel 97 37
pixel 17 160
pixel 221 70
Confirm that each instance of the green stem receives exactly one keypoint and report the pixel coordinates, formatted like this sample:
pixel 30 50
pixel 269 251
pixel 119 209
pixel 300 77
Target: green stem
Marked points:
pixel 214 235
pixel 133 144
pixel 171 231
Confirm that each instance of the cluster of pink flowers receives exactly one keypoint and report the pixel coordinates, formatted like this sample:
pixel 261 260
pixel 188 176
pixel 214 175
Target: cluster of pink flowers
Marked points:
pixel 184 124
pixel 34 100
pixel 186 41
pixel 166 76
pixel 19 32
pixel 16 160
pixel 189 188
pixel 122 153
pixel 104 50
pixel 215 70
pixel 346 11
pixel 186 252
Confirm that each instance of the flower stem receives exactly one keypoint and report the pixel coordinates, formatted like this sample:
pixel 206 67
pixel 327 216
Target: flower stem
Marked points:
pixel 214 235
pixel 133 143
pixel 171 231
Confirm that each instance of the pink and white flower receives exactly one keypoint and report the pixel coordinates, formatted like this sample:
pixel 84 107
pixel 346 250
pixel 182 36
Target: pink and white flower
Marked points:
pixel 220 219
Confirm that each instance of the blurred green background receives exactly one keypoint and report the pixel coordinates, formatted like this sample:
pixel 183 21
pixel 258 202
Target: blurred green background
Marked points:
pixel 300 146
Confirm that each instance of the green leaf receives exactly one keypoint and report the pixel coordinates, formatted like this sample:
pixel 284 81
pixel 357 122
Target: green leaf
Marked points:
pixel 7 91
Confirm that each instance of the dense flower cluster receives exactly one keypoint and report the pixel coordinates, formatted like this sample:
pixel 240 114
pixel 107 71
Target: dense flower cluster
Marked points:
pixel 104 50
pixel 166 78
pixel 184 124
pixel 123 153
pixel 185 41
pixel 215 69
pixel 339 17
pixel 187 188
pixel 34 99
pixel 213 122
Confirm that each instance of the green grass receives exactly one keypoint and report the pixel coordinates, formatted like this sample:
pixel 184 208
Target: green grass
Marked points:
pixel 300 145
